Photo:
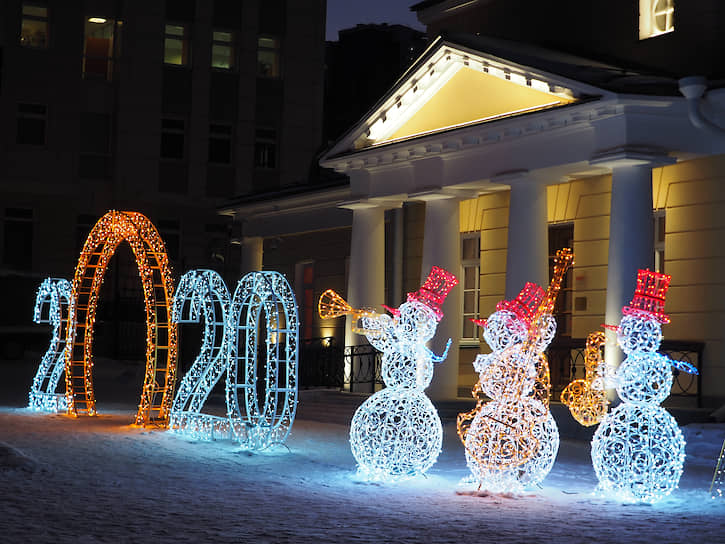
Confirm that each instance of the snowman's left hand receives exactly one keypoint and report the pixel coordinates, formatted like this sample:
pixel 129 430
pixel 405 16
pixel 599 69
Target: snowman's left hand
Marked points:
pixel 440 358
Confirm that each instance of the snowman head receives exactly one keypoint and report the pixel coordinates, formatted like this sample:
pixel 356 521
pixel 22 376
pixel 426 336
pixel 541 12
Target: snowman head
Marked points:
pixel 415 322
pixel 638 332
pixel 504 329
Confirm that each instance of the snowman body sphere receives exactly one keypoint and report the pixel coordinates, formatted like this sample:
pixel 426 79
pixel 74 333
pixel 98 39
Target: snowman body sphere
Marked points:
pixel 638 450
pixel 513 440
pixel 396 433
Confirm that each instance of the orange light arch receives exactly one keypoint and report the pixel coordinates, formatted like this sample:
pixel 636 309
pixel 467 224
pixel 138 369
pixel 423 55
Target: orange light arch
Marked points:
pixel 161 333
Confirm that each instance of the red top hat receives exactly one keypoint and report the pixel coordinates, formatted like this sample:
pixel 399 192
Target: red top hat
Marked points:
pixel 435 290
pixel 649 295
pixel 524 305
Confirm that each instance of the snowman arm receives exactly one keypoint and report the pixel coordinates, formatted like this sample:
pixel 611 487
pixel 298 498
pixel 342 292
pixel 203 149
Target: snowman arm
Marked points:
pixel 682 365
pixel 440 358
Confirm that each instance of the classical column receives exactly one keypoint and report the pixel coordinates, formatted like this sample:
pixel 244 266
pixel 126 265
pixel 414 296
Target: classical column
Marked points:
pixel 366 277
pixel 252 253
pixel 442 247
pixel 528 239
pixel 631 242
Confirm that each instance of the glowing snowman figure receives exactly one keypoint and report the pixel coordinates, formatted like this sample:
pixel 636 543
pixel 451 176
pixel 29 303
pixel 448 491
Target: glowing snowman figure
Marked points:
pixel 638 450
pixel 397 433
pixel 512 440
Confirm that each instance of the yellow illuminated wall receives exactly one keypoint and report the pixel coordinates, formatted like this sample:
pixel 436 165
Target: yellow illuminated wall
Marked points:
pixel 471 96
pixel 692 195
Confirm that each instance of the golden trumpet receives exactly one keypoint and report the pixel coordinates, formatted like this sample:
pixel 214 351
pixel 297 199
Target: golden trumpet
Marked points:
pixel 333 305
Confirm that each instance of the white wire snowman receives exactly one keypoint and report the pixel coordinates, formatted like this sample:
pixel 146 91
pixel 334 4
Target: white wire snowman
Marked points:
pixel 396 433
pixel 638 450
pixel 512 440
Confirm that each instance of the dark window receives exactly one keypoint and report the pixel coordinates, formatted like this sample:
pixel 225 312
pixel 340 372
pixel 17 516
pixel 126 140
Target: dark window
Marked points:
pixel 172 139
pixel 220 144
pixel 31 124
pixel 228 13
pixel 18 239
pixel 84 224
pixel 34 26
pixel 268 57
pixel 265 148
pixel 100 47
pixel 170 233
pixel 562 236
pixel 176 44
pixel 272 16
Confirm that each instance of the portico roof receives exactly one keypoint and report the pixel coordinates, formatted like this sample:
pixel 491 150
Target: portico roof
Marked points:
pixel 488 110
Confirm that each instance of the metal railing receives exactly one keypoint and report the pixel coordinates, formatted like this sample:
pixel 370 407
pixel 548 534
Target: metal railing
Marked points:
pixel 323 363
pixel 566 363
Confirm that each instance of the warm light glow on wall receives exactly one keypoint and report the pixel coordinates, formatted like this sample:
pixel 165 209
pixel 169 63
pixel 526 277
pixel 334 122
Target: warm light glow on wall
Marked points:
pixel 53 294
pixel 158 288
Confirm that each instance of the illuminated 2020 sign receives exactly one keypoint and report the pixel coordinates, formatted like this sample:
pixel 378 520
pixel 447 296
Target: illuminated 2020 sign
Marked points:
pixel 158 288
pixel 51 306
pixel 264 309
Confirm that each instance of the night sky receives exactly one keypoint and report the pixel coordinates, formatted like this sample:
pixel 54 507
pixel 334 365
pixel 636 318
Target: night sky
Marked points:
pixel 347 13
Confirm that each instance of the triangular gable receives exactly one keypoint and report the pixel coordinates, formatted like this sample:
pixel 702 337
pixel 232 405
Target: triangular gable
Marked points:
pixel 452 86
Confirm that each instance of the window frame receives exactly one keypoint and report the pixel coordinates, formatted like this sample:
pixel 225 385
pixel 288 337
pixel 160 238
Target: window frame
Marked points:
pixel 31 17
pixel 114 51
pixel 220 135
pixel 231 44
pixel 277 49
pixel 648 13
pixel 26 216
pixel 475 264
pixel 185 40
pixel 659 219
pixel 261 141
pixel 31 116
pixel 172 131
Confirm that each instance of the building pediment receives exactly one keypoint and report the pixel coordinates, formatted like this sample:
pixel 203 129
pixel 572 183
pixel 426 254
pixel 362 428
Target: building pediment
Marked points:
pixel 452 86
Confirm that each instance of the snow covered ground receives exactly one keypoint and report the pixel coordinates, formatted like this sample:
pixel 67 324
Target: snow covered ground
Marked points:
pixel 99 479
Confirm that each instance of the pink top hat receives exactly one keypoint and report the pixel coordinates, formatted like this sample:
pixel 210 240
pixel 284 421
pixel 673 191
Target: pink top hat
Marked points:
pixel 435 290
pixel 524 305
pixel 649 298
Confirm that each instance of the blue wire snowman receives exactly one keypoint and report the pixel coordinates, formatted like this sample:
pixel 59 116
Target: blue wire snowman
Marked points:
pixel 396 433
pixel 638 450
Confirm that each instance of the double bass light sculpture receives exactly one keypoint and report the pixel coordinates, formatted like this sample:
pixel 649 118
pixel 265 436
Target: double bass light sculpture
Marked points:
pixel 512 440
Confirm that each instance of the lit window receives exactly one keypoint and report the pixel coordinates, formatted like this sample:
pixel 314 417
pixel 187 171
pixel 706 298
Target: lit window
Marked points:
pixel 222 50
pixel 18 239
pixel 268 57
pixel 176 45
pixel 656 17
pixel 470 273
pixel 265 148
pixel 172 139
pixel 220 144
pixel 31 124
pixel 34 26
pixel 659 241
pixel 98 48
